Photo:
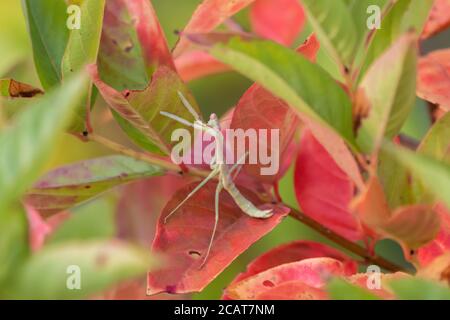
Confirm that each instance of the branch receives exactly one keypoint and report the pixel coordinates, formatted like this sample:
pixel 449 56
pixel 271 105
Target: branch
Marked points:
pixel 166 164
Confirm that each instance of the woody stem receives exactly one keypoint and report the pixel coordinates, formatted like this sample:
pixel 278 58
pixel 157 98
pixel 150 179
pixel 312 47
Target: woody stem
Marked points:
pixel 166 164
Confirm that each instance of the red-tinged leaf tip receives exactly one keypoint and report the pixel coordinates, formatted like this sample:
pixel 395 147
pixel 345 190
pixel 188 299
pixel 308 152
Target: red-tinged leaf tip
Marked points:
pixel 433 82
pixel 310 48
pixel 185 237
pixel 277 20
pixel 314 272
pixel 291 252
pixel 438 20
pixel 323 191
pixel 193 65
pixel 441 244
pixel 208 15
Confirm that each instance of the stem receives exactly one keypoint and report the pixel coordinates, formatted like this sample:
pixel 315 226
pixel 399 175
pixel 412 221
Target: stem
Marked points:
pixel 343 242
pixel 165 163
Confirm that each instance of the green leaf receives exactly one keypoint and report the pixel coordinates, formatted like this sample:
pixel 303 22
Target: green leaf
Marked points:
pixel 402 17
pixel 82 49
pixel 71 185
pixel 419 289
pixel 434 175
pixel 13 242
pixel 49 35
pixel 25 145
pixel 138 112
pixel 101 265
pixel 93 221
pixel 335 28
pixel 390 88
pixel 305 86
pixel 339 289
pixel 436 145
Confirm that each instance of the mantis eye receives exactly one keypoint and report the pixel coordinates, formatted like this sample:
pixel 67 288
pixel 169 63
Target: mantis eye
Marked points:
pixel 213 117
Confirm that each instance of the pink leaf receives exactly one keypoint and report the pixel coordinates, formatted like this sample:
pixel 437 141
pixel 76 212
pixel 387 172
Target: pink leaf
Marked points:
pixel 433 83
pixel 193 65
pixel 438 20
pixel 313 272
pixel 185 237
pixel 441 244
pixel 208 15
pixel 323 190
pixel 278 20
pixel 291 252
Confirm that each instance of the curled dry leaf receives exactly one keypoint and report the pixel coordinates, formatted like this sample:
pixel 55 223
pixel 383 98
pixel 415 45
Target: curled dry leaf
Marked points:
pixel 433 83
pixel 438 20
pixel 323 190
pixel 15 89
pixel 313 272
pixel 292 252
pixel 185 237
pixel 277 20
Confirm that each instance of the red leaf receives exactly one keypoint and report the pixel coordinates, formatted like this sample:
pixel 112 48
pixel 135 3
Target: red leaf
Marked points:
pixel 323 190
pixel 433 83
pixel 291 252
pixel 292 290
pixel 185 237
pixel 312 272
pixel 208 15
pixel 441 244
pixel 278 20
pixel 193 65
pixel 438 20
pixel 362 279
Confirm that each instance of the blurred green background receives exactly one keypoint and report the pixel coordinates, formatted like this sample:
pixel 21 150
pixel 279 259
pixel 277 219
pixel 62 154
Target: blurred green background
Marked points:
pixel 215 94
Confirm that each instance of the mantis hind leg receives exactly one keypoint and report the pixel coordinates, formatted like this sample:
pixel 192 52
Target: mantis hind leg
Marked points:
pixel 216 222
pixel 200 185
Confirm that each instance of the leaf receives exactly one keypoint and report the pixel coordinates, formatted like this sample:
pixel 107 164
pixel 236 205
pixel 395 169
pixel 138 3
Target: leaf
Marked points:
pixel 433 82
pixel 15 89
pixel 433 174
pixel 197 64
pixel 101 265
pixel 208 15
pixel 335 28
pixel 441 244
pixel 26 144
pixel 132 45
pixel 140 205
pixel 292 252
pixel 436 143
pixel 404 16
pixel 280 21
pixel 368 281
pixel 14 247
pixel 82 49
pixel 93 221
pixel 292 290
pixel 419 289
pixel 185 238
pixel 391 94
pixel 74 184
pixel 303 85
pixel 323 190
pixel 140 110
pixel 49 35
pixel 438 20
pixel 312 272
pixel 339 289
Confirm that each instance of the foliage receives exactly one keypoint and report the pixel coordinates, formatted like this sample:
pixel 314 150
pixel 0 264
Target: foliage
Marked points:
pixel 340 101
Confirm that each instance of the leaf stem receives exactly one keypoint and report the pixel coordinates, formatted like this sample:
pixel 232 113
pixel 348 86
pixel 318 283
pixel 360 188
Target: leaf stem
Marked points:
pixel 166 164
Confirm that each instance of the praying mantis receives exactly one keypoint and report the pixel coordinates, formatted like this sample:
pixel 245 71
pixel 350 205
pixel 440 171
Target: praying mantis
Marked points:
pixel 218 167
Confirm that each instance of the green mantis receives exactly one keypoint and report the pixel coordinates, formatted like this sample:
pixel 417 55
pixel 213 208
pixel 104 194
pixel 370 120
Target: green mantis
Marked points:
pixel 218 168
